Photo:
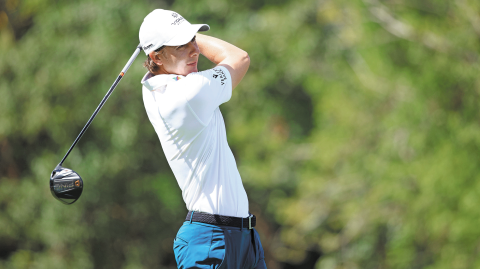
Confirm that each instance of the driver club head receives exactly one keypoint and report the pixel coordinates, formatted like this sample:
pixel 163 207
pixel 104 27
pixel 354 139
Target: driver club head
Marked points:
pixel 66 185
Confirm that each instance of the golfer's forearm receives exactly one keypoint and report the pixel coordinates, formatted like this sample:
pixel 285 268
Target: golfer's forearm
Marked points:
pixel 217 50
pixel 223 53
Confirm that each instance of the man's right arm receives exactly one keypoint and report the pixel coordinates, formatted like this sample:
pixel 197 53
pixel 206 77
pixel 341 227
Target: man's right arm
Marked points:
pixel 225 54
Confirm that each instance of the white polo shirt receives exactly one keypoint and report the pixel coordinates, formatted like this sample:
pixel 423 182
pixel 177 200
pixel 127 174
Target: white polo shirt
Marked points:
pixel 185 114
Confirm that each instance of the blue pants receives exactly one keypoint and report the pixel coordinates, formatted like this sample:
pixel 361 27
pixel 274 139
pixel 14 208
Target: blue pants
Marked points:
pixel 200 245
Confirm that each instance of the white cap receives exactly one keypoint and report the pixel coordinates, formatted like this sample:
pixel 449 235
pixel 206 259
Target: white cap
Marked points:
pixel 166 28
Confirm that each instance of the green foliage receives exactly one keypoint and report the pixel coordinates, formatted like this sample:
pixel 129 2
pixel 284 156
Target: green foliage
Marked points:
pixel 355 131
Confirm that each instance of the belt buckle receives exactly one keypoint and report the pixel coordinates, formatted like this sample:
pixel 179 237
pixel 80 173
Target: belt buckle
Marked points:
pixel 250 222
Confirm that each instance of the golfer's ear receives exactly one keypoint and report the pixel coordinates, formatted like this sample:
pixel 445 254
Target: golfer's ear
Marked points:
pixel 155 58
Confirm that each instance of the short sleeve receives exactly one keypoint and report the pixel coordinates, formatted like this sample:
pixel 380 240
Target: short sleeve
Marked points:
pixel 207 90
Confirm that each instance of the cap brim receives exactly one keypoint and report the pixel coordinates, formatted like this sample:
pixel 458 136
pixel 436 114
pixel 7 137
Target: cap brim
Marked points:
pixel 186 35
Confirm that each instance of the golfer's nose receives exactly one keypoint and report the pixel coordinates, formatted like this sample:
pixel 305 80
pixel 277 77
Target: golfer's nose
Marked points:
pixel 194 50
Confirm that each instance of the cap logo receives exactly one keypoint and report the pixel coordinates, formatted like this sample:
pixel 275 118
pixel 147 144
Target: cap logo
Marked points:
pixel 178 17
pixel 147 47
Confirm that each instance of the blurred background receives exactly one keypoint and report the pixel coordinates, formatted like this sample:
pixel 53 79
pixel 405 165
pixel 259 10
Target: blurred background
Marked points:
pixel 356 131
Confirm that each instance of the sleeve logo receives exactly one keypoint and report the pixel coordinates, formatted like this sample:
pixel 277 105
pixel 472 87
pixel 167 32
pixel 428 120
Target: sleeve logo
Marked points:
pixel 219 74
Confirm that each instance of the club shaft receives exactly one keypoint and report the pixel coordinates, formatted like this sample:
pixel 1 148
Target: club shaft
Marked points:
pixel 110 91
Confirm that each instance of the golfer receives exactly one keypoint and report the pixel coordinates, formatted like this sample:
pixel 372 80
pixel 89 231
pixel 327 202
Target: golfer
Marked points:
pixel 183 107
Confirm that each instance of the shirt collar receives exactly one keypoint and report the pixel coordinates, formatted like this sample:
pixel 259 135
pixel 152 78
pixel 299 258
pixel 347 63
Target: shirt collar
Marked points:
pixel 153 82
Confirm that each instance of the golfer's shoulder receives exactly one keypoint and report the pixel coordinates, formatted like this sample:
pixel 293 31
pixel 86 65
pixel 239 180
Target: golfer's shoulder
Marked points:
pixel 207 88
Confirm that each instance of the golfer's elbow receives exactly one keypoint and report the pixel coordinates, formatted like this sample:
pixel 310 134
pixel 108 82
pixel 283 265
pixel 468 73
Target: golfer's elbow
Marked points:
pixel 243 61
pixel 239 58
pixel 237 64
pixel 246 59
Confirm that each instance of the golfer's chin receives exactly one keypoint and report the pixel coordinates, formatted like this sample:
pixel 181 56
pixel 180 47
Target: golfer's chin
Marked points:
pixel 187 69
pixel 190 68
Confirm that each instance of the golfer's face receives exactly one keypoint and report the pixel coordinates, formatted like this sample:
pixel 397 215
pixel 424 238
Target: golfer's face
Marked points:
pixel 181 60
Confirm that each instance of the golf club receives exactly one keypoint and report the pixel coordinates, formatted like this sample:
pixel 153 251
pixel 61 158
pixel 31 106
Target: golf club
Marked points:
pixel 65 184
